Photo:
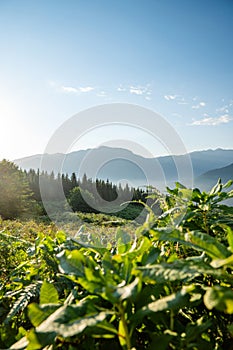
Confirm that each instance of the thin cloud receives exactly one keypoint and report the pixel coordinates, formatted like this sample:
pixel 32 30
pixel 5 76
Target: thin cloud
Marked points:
pixel 224 109
pixel 101 94
pixel 199 105
pixel 70 89
pixel 170 97
pixel 81 89
pixel 210 121
pixel 121 89
pixel 138 90
pixel 180 100
pixel 86 89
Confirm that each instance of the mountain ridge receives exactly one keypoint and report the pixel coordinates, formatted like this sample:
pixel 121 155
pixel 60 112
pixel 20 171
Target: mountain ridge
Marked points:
pixel 118 163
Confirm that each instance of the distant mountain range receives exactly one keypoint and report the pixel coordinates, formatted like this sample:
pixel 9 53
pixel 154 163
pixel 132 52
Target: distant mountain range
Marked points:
pixel 209 178
pixel 118 164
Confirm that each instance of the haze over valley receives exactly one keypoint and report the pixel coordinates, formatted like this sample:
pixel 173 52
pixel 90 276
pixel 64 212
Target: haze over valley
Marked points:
pixel 122 165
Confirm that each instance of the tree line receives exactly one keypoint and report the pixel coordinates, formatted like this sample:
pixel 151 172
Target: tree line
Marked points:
pixel 20 190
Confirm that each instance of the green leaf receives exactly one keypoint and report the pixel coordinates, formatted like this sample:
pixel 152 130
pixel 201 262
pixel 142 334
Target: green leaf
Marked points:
pixel 123 239
pixel 143 246
pixel 93 287
pixel 107 327
pixel 48 294
pixel 208 243
pixel 230 238
pixel 228 184
pixel 172 302
pixel 216 188
pixel 121 334
pixel 179 270
pixel 22 301
pixel 128 291
pixel 220 298
pixel 39 340
pixel 69 321
pixel 180 186
pixel 66 321
pixel 39 313
pixel 20 345
pixel 61 237
pixel 222 262
pixel 167 234
pixel 194 239
pixel 71 262
pixel 196 195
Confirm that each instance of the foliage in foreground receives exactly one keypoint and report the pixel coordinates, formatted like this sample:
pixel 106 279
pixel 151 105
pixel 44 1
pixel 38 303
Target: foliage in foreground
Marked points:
pixel 169 286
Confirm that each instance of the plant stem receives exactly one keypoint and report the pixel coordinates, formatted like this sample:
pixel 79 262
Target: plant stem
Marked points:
pixel 205 222
pixel 172 320
pixel 125 326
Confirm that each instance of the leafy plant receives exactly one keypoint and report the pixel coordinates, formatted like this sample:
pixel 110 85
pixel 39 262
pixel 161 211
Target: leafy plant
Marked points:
pixel 167 286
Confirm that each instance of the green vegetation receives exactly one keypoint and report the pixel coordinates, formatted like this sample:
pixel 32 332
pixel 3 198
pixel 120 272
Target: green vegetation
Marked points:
pixel 21 194
pixel 15 198
pixel 81 192
pixel 167 284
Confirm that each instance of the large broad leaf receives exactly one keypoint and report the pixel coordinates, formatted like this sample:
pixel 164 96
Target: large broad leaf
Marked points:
pixel 194 239
pixel 168 234
pixel 172 302
pixel 38 341
pixel 93 281
pixel 38 313
pixel 71 262
pixel 220 298
pixel 67 321
pixel 56 322
pixel 48 294
pixel 209 244
pixel 180 270
pixel 122 291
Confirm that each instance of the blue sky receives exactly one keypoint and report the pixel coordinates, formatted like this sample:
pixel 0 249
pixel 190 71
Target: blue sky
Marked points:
pixel 60 57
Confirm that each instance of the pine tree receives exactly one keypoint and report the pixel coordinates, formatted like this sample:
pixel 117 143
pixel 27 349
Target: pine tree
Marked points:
pixel 15 194
pixel 74 182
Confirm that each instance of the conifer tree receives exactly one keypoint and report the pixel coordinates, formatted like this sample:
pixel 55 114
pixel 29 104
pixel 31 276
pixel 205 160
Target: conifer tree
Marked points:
pixel 15 194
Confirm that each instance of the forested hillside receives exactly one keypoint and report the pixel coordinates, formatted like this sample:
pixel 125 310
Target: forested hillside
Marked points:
pixel 21 193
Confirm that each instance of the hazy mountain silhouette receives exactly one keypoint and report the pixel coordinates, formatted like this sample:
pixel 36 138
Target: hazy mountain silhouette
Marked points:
pixel 209 178
pixel 118 164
